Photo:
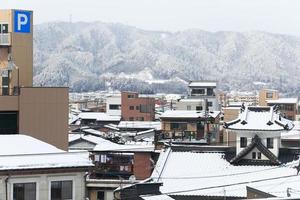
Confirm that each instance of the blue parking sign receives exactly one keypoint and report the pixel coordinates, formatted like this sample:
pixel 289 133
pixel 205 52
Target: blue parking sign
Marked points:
pixel 22 21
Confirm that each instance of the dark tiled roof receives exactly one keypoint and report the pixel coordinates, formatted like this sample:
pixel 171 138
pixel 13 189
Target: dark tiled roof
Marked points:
pixel 256 142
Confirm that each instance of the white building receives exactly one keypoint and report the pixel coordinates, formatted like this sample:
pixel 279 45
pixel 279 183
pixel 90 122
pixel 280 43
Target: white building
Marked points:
pixel 258 135
pixel 205 91
pixel 113 105
pixel 32 169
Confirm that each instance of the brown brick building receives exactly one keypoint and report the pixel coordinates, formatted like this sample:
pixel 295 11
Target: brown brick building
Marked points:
pixel 135 108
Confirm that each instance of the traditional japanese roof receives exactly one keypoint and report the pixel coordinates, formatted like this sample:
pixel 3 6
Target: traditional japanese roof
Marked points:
pixel 262 118
pixel 203 84
pixel 256 142
pixel 192 114
pixel 209 174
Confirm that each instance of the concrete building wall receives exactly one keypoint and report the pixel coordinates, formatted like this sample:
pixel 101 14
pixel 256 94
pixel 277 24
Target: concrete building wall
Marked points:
pixel 43 114
pixel 131 100
pixel 43 184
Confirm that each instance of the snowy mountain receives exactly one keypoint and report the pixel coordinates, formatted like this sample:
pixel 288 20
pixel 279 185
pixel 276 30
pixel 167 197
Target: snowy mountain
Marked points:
pixel 94 56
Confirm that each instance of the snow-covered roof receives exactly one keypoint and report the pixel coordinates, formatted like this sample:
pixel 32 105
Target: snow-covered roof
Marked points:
pixel 156 197
pixel 140 124
pixel 110 146
pixel 22 144
pixel 203 84
pixel 193 114
pixel 259 118
pixel 93 132
pixel 98 116
pixel 209 174
pixel 90 138
pixel 283 101
pixel 191 100
pixel 293 134
pixel 19 152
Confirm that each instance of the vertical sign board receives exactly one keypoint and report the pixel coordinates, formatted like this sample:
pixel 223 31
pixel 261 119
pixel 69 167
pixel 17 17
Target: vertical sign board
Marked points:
pixel 22 21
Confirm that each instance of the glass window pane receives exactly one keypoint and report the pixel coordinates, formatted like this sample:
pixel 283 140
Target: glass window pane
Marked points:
pixel 67 190
pixel 24 191
pixel 56 190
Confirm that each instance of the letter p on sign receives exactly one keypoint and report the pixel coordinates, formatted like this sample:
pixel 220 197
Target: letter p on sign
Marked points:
pixel 22 21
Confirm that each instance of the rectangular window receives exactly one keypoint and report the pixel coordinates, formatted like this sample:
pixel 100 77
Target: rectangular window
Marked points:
pixel 269 95
pixel 270 143
pixel 253 155
pixel 243 142
pixel 114 107
pixel 199 108
pixel 61 190
pixel 100 195
pixel 198 91
pixel 146 108
pixel 131 96
pixel 131 107
pixel 258 155
pixel 209 104
pixel 24 191
pixel 137 107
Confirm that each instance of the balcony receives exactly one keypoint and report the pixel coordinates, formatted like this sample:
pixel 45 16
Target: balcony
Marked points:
pixel 5 39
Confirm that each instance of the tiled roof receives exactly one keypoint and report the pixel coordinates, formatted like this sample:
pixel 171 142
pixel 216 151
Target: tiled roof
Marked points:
pixel 209 174
pixel 259 118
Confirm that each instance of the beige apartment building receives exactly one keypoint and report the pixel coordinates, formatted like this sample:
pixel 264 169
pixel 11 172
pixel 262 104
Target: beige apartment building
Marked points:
pixel 267 94
pixel 35 111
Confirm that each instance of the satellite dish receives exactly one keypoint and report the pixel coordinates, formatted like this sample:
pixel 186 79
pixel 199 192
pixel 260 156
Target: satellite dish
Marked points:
pixel 132 179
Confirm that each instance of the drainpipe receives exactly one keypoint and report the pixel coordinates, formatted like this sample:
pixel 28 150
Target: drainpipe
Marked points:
pixel 6 187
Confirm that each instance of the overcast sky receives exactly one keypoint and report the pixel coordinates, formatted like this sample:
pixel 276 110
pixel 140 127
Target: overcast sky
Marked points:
pixel 277 16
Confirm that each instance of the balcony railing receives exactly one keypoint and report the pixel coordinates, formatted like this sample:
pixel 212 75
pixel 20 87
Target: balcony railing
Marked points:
pixel 5 39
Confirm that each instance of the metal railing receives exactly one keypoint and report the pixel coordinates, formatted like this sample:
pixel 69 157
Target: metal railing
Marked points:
pixel 5 39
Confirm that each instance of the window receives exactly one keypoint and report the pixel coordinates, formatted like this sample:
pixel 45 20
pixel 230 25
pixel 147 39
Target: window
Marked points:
pixel 146 108
pixel 253 155
pixel 199 108
pixel 131 107
pixel 3 28
pixel 24 191
pixel 270 143
pixel 243 142
pixel 140 118
pixel 198 91
pixel 137 107
pixel 114 107
pixel 189 107
pixel 258 155
pixel 269 95
pixel 131 96
pixel 210 92
pixel 61 190
pixel 179 126
pixel 100 195
pixel 8 122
